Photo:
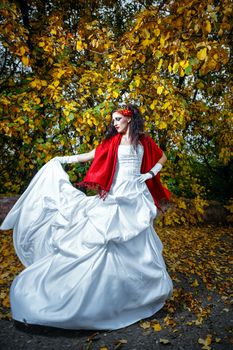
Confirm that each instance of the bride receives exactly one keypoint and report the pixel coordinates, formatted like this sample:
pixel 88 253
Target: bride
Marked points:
pixel 93 262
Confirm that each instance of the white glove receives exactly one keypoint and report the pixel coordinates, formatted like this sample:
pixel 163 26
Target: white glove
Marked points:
pixel 67 159
pixel 153 172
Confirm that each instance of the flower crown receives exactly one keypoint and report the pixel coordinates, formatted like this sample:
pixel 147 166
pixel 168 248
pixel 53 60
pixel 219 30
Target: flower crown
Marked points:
pixel 125 112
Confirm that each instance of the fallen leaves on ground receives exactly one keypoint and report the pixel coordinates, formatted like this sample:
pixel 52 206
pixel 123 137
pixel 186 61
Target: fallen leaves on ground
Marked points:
pixel 206 342
pixel 10 266
pixel 119 343
pixel 199 262
pixel 198 258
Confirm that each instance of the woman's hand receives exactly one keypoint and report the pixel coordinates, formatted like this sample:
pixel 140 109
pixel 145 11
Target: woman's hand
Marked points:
pixel 153 172
pixel 143 177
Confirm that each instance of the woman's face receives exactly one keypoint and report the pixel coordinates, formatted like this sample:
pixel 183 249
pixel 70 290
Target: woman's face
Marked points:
pixel 120 122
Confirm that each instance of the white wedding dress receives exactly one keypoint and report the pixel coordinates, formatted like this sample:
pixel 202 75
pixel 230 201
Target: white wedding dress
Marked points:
pixel 90 263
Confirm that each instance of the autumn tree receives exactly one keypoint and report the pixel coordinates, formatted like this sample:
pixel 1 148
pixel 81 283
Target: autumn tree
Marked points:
pixel 66 64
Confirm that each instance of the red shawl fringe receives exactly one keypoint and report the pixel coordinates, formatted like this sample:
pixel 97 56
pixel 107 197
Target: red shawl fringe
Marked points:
pixel 93 186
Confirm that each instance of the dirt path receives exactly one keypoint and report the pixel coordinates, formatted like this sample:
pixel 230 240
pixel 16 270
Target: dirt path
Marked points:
pixel 182 336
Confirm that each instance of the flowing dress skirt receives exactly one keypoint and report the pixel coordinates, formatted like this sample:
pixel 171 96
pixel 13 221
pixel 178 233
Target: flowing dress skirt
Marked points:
pixel 90 263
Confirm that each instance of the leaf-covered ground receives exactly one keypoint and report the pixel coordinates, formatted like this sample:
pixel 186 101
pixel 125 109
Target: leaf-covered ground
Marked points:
pixel 198 316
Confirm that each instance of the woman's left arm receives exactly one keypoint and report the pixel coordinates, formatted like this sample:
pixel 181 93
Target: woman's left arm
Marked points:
pixel 163 159
pixel 154 171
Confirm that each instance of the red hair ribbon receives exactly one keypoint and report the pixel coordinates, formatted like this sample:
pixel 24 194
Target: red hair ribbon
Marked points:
pixel 125 112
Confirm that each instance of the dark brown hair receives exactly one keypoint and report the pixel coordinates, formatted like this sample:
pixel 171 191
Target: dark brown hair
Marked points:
pixel 136 126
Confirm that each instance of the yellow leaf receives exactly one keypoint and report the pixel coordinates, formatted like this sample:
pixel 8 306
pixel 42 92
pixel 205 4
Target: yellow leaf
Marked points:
pixel 94 43
pixel 160 63
pixel 208 26
pixel 79 45
pixel 195 283
pixel 152 106
pixel 147 33
pixel 107 45
pixel 162 41
pixel 146 42
pixel 164 341
pixel 115 94
pixel 121 341
pixel 145 325
pixel 123 49
pixel 100 91
pixel 166 105
pixel 199 322
pixel 53 31
pixel 184 64
pixel 25 60
pixel 181 72
pixel 206 342
pixel 41 44
pixel 175 67
pixel 59 73
pixel 211 64
pixel 182 205
pixel 160 90
pixel 156 327
pixel 200 85
pixel 208 339
pixel 162 125
pixel 143 109
pixel 201 55
pixel 157 31
pixel 33 83
pixel 22 51
pixel 118 67
pixel 95 121
pixel 37 100
pixel 137 80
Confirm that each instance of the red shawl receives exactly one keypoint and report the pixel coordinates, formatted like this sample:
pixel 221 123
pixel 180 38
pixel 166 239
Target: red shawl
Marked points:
pixel 101 172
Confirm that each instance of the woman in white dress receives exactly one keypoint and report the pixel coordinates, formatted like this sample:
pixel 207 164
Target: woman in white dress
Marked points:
pixel 93 262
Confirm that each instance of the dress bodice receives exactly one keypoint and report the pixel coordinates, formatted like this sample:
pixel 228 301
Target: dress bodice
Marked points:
pixel 129 161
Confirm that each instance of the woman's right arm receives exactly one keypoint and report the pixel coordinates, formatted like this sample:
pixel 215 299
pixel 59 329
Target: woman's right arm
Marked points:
pixel 84 157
